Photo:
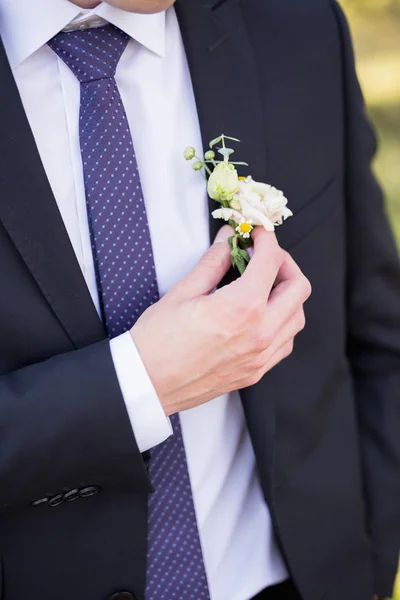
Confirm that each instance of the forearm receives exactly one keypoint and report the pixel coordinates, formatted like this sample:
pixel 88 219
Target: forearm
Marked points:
pixel 63 423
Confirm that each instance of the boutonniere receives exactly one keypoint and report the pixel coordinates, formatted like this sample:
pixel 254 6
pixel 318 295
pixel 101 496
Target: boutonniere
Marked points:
pixel 244 203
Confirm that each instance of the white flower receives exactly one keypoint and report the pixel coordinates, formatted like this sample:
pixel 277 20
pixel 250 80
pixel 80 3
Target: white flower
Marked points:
pixel 245 229
pixel 244 226
pixel 235 203
pixel 223 182
pixel 244 203
pixel 262 203
pixel 253 210
pixel 256 204
pixel 228 214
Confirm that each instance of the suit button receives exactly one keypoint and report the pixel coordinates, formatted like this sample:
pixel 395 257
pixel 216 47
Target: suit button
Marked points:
pixel 90 490
pixel 122 596
pixel 40 502
pixel 71 495
pixel 56 501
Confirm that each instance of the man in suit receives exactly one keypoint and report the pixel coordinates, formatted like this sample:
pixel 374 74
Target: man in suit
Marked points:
pixel 131 467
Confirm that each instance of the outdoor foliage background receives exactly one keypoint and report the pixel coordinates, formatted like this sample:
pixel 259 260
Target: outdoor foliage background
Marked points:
pixel 376 32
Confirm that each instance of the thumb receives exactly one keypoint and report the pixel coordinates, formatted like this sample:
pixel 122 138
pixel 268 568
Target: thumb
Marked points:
pixel 211 268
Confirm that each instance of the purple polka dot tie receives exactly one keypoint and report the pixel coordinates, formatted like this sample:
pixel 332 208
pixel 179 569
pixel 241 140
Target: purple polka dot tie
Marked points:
pixel 127 285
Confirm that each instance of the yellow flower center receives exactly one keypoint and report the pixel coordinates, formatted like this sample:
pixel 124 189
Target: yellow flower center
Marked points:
pixel 245 227
pixel 242 178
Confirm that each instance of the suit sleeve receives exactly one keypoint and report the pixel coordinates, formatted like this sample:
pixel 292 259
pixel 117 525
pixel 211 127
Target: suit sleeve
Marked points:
pixel 64 424
pixel 374 328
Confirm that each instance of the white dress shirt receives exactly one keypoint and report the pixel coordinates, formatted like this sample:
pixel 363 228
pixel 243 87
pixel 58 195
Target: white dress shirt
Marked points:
pixel 240 553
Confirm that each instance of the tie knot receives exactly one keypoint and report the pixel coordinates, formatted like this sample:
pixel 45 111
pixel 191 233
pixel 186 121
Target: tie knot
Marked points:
pixel 91 54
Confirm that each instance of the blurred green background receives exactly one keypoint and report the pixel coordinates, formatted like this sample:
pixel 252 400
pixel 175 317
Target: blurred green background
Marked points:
pixel 376 31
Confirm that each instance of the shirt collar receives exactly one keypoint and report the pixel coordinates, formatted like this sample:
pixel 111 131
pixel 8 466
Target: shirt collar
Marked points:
pixel 27 25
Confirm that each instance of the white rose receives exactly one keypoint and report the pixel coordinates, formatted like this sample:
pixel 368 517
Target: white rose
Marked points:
pixel 263 203
pixel 223 182
pixel 274 202
pixel 256 215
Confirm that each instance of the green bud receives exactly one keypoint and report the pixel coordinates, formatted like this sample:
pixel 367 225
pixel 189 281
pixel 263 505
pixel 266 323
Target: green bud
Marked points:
pixel 223 183
pixel 198 165
pixel 189 153
pixel 210 155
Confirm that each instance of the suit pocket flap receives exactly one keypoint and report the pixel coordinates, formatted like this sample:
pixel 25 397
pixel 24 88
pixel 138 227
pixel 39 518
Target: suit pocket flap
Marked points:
pixel 311 214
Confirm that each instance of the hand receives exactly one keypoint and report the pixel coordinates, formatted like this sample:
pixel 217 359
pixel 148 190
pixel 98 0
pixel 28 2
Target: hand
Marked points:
pixel 197 346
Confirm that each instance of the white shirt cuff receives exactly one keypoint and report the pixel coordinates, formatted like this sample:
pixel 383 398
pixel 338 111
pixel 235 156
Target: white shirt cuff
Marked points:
pixel 149 422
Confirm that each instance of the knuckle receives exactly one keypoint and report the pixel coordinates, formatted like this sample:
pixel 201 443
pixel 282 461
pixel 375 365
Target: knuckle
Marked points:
pixel 252 311
pixel 288 348
pixel 301 321
pixel 257 363
pixel 229 311
pixel 306 288
pixel 236 355
pixel 254 378
pixel 263 341
pixel 277 255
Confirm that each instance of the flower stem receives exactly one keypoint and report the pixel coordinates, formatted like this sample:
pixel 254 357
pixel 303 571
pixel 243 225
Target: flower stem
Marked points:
pixel 204 165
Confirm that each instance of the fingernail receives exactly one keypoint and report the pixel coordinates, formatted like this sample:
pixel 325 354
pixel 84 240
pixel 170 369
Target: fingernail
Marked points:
pixel 223 234
pixel 219 239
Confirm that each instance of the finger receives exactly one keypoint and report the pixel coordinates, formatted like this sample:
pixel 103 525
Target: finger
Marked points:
pixel 274 360
pixel 210 270
pixel 289 270
pixel 280 355
pixel 284 335
pixel 289 295
pixel 265 264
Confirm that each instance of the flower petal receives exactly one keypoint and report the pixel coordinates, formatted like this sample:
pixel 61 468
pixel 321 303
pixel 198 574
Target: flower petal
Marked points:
pixel 256 216
pixel 223 182
pixel 227 214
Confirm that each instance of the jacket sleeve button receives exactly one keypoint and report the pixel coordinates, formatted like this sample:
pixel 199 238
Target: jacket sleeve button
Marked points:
pixel 71 495
pixel 90 490
pixel 56 501
pixel 40 502
pixel 122 596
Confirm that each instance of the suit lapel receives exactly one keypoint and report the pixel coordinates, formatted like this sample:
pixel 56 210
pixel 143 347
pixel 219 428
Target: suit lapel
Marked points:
pixel 30 215
pixel 219 56
pixel 228 97
pixel 224 80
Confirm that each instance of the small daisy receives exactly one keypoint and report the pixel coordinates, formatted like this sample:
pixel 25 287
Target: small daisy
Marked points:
pixel 245 229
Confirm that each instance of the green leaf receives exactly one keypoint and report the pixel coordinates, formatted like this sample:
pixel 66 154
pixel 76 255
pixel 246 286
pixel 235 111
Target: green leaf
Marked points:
pixel 223 137
pixel 215 141
pixel 244 255
pixel 239 263
pixel 230 242
pixel 238 260
pixel 230 138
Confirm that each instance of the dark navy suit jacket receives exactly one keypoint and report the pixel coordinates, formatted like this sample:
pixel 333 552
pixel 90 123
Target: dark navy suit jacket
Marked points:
pixel 279 75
